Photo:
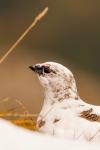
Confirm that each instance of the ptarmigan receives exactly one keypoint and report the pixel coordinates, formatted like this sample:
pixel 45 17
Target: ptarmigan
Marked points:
pixel 63 113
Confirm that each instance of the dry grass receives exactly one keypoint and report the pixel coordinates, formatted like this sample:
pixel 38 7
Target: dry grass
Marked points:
pixel 23 117
pixel 33 24
pixel 18 115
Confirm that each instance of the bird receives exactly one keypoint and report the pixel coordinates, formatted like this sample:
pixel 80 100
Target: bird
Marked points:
pixel 64 114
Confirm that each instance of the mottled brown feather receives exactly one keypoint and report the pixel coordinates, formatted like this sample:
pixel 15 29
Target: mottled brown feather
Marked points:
pixel 90 116
pixel 41 123
pixel 56 120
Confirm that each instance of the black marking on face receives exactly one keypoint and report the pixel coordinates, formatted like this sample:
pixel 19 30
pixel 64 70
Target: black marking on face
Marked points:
pixel 46 69
pixel 41 70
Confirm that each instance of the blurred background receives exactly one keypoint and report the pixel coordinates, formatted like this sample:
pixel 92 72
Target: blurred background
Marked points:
pixel 68 34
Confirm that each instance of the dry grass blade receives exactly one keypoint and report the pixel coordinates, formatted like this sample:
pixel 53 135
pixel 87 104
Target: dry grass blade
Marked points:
pixel 4 100
pixel 23 106
pixel 35 21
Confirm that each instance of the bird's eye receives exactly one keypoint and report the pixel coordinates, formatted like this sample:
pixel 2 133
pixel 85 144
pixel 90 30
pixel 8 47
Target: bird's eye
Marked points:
pixel 47 70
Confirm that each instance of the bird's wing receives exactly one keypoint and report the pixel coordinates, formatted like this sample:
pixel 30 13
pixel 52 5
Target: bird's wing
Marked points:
pixel 91 113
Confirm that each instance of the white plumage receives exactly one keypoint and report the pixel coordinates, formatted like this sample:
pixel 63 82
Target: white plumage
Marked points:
pixel 63 113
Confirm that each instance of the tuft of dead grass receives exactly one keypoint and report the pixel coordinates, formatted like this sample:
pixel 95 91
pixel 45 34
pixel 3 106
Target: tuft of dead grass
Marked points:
pixel 18 115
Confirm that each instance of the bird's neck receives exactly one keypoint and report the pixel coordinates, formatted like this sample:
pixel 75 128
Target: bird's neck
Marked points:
pixel 58 95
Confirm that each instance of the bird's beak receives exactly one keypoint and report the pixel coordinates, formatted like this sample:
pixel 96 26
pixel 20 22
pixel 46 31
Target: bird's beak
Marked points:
pixel 37 68
pixel 32 68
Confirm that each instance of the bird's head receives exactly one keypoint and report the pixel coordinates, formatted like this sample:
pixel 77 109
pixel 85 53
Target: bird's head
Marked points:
pixel 55 77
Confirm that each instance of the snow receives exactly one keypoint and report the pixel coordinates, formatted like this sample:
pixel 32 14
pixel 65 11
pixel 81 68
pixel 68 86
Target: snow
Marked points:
pixel 16 138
